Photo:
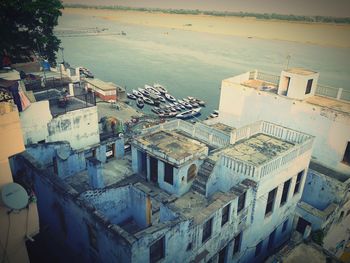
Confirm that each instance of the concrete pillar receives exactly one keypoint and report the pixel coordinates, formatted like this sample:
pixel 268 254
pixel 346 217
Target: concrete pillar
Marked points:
pixel 101 153
pixel 71 89
pixel 77 73
pixel 95 173
pixel 340 91
pixel 119 148
pixel 134 159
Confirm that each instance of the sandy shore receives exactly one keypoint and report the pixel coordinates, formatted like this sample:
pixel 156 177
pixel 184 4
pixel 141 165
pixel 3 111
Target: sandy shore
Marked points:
pixel 313 33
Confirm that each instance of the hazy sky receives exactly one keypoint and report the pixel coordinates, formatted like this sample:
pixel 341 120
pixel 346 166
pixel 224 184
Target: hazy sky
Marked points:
pixel 298 7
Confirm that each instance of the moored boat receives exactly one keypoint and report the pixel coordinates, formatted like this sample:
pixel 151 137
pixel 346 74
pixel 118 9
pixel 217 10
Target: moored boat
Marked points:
pixel 187 105
pixel 144 92
pixel 148 101
pixel 170 97
pixel 140 103
pixel 189 113
pixel 137 93
pixel 160 88
pixel 131 96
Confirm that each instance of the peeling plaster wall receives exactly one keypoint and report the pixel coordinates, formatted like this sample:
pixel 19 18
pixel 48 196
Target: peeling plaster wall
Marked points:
pixel 118 204
pixel 331 128
pixel 34 122
pixel 263 225
pixel 321 190
pixel 67 219
pixel 79 128
pixel 180 185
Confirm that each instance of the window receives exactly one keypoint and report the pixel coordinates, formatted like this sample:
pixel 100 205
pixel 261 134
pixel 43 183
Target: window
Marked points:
pixel 258 248
pixel 191 173
pixel 237 243
pixel 207 227
pixel 241 202
pixel 285 192
pixel 297 183
pixel 270 201
pixel 271 240
pixel 168 173
pixel 156 250
pixel 92 236
pixel 284 227
pixel 346 158
pixel 308 86
pixel 225 215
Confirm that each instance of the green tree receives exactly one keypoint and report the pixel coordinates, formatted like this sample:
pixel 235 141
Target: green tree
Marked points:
pixel 27 26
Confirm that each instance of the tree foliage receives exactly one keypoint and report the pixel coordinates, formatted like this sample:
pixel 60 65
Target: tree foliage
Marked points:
pixel 26 26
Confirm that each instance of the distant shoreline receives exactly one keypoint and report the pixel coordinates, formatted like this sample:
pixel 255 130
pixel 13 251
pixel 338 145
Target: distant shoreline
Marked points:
pixel 323 34
pixel 260 16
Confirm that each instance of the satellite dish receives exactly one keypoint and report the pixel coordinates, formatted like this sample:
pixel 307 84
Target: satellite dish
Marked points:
pixel 14 196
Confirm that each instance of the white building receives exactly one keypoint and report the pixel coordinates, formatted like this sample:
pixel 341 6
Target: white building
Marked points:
pixel 295 99
pixel 252 178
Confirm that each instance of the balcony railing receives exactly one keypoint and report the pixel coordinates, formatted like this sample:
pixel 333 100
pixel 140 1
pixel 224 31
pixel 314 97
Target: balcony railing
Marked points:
pixel 302 141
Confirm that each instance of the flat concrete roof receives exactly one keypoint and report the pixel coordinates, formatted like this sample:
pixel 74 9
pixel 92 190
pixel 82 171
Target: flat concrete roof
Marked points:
pixel 101 84
pixel 301 71
pixel 330 103
pixel 170 144
pixel 197 206
pixel 257 149
pixel 222 127
pixel 307 253
pixel 259 84
pixel 113 172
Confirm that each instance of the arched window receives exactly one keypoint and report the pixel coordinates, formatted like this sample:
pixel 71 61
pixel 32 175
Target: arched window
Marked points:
pixel 191 173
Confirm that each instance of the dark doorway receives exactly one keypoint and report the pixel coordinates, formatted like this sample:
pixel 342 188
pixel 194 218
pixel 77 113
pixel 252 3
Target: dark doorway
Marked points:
pixel 287 85
pixel 154 169
pixel 302 224
pixel 143 158
pixel 222 255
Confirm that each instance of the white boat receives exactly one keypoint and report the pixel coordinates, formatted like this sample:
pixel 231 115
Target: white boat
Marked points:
pixel 139 102
pixel 187 105
pixel 169 97
pixel 137 93
pixel 153 90
pixel 148 101
pixel 180 101
pixel 162 99
pixel 144 92
pixel 160 88
pixel 194 104
pixel 188 113
pixel 131 96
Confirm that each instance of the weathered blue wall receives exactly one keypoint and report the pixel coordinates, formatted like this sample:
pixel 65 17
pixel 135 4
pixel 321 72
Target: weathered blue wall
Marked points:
pixel 118 204
pixel 321 190
pixel 67 218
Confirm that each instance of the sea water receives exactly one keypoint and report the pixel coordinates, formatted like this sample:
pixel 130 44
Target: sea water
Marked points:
pixel 189 63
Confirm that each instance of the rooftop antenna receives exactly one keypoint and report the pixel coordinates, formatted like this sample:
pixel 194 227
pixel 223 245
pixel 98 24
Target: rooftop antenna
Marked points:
pixel 288 59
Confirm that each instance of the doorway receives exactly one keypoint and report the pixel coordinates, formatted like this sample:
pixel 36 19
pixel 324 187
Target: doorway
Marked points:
pixel 153 169
pixel 302 224
pixel 222 255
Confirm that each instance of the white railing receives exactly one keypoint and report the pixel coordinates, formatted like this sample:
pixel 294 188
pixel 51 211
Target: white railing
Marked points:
pixel 255 171
pixel 332 92
pixel 268 77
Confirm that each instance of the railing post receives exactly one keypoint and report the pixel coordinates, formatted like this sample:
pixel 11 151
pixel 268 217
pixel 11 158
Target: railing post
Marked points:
pixel 340 91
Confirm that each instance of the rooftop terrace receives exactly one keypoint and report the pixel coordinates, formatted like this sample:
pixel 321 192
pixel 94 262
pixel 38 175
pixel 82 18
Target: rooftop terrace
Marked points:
pixel 257 149
pixel 113 172
pixel 171 146
pixel 60 105
pixel 325 96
